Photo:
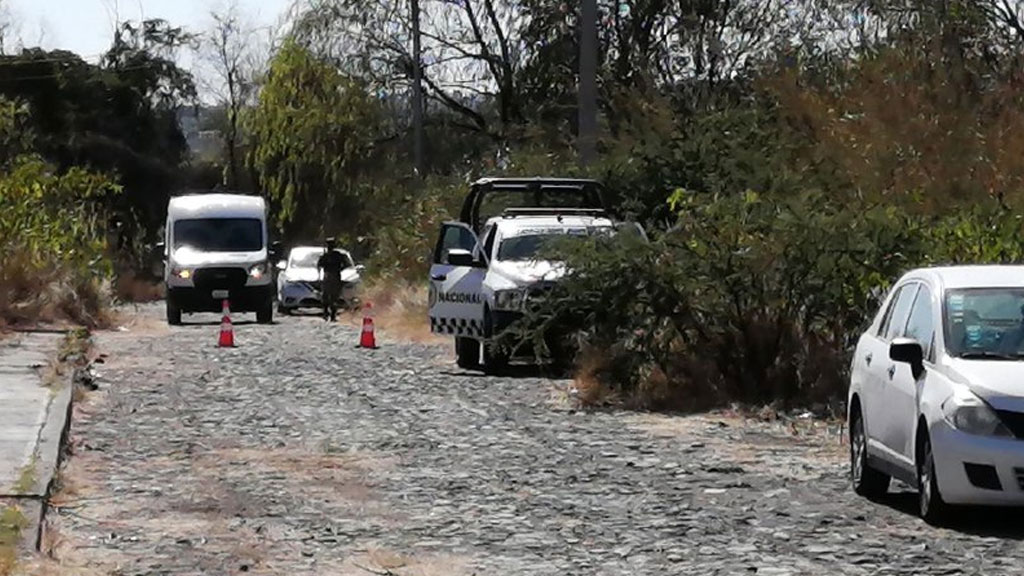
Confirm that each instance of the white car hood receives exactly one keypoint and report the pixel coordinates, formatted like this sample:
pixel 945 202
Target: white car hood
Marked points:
pixel 528 271
pixel 313 275
pixel 189 257
pixel 999 382
pixel 302 275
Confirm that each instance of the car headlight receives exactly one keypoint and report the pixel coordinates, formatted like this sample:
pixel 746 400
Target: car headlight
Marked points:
pixel 183 273
pixel 258 271
pixel 970 414
pixel 509 299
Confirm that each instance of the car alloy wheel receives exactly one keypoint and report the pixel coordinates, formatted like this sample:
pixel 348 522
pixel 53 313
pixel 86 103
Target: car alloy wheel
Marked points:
pixel 933 508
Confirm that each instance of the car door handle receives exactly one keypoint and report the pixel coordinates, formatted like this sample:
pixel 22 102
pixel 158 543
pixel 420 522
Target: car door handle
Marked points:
pixel 439 277
pixel 892 371
pixel 867 359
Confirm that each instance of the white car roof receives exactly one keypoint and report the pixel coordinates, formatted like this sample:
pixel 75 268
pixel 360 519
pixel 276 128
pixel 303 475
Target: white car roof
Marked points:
pixel 216 206
pixel 972 276
pixel 510 225
pixel 303 250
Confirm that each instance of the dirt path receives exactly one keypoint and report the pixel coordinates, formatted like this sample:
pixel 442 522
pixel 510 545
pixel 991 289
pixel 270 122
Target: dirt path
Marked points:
pixel 298 454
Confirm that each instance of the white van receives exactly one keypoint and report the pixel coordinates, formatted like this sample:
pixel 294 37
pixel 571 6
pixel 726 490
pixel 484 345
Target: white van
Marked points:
pixel 216 247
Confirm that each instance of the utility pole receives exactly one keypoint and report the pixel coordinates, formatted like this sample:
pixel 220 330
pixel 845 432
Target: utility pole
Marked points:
pixel 587 136
pixel 417 90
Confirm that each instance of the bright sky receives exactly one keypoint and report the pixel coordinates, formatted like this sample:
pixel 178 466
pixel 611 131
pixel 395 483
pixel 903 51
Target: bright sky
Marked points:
pixel 85 26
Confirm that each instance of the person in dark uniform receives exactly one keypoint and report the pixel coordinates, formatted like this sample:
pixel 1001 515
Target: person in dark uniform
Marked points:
pixel 330 266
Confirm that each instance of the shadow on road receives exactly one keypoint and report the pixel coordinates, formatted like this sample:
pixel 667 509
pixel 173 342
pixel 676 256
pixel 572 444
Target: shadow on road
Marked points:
pixel 513 371
pixel 990 522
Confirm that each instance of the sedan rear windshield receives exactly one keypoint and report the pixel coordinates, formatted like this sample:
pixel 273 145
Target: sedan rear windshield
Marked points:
pixel 985 323
pixel 219 234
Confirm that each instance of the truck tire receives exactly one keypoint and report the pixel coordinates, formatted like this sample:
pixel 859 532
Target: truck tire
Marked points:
pixel 265 315
pixel 495 359
pixel 173 311
pixel 467 353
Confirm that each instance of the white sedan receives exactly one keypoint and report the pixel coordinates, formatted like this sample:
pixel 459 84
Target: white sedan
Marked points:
pixel 299 280
pixel 937 390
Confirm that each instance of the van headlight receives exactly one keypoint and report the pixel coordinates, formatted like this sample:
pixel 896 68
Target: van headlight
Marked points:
pixel 970 414
pixel 183 273
pixel 257 271
pixel 509 299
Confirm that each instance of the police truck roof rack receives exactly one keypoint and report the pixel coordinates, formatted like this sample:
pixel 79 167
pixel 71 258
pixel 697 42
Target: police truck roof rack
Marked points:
pixel 553 211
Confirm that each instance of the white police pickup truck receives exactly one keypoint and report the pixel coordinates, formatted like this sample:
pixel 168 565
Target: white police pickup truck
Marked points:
pixel 479 285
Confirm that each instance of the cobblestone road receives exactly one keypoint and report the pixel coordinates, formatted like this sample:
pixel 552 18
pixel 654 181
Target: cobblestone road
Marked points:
pixel 298 454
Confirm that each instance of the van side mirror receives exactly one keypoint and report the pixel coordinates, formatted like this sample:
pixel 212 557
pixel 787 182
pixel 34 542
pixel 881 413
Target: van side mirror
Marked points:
pixel 360 268
pixel 460 257
pixel 908 351
pixel 158 248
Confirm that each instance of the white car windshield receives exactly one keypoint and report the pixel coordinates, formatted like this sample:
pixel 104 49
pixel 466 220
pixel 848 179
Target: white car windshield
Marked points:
pixel 985 323
pixel 530 245
pixel 309 259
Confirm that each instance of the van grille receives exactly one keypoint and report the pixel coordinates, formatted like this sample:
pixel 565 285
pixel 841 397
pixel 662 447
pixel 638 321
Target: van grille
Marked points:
pixel 219 278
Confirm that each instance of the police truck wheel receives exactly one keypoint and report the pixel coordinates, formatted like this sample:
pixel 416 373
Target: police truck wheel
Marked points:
pixel 467 353
pixel 495 359
pixel 265 315
pixel 173 312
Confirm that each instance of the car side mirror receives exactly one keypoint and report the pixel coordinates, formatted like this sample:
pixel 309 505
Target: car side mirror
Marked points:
pixel 275 250
pixel 281 265
pixel 360 268
pixel 158 249
pixel 908 351
pixel 460 257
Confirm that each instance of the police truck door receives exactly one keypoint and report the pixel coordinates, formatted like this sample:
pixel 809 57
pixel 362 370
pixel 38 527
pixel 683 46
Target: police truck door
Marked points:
pixel 456 276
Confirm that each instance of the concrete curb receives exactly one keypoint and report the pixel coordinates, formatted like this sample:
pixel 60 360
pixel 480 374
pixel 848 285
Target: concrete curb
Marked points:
pixel 33 502
pixel 49 454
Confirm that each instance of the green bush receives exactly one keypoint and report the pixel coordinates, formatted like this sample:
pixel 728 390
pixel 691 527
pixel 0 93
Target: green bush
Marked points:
pixel 52 242
pixel 749 298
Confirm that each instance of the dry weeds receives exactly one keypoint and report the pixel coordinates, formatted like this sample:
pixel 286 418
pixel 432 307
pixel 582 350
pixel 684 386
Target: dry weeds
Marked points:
pixel 399 310
pixel 31 296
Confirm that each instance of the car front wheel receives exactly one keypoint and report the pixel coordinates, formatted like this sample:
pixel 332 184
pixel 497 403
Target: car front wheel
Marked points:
pixel 933 508
pixel 867 481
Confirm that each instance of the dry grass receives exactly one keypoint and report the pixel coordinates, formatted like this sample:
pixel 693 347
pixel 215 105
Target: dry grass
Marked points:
pixel 590 381
pixel 399 310
pixel 32 296
pixel 129 287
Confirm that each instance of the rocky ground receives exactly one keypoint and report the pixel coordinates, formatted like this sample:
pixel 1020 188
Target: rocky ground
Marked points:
pixel 297 453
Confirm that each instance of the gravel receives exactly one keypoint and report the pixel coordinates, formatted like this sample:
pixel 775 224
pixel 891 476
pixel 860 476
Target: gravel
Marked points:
pixel 297 453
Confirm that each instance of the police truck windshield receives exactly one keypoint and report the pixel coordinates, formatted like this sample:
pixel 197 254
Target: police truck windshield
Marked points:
pixel 531 245
pixel 219 234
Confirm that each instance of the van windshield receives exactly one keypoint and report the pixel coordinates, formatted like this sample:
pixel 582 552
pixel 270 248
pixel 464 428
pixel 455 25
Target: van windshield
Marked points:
pixel 219 234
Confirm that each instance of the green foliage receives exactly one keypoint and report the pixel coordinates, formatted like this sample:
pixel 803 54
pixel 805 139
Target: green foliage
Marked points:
pixel 54 218
pixel 117 117
pixel 752 298
pixel 312 134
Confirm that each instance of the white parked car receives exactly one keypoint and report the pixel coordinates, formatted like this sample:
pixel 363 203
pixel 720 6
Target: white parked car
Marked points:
pixel 299 280
pixel 936 396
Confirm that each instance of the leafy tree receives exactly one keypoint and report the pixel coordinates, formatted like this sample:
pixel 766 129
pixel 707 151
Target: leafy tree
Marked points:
pixel 314 134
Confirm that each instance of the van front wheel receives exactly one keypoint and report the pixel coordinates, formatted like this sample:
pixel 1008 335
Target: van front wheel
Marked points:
pixel 173 311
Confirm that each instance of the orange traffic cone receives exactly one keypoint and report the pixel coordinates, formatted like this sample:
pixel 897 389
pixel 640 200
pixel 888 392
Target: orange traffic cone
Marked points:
pixel 367 339
pixel 227 332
